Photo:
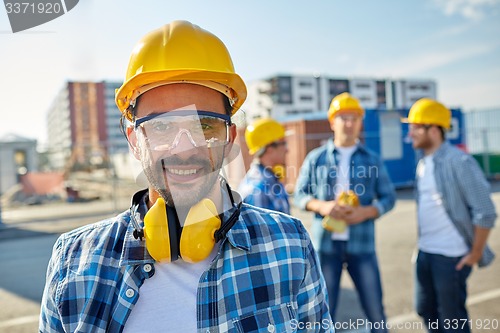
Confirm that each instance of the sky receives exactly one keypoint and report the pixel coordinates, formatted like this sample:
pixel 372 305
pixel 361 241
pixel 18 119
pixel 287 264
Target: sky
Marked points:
pixel 454 42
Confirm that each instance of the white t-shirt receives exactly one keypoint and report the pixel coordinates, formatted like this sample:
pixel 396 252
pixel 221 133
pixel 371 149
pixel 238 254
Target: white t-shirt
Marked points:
pixel 438 234
pixel 167 300
pixel 342 180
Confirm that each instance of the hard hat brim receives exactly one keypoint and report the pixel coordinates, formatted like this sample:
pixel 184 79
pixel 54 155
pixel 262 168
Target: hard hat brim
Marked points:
pixel 235 88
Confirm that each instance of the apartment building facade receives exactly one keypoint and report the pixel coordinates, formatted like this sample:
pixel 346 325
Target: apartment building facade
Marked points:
pixel 291 96
pixel 83 126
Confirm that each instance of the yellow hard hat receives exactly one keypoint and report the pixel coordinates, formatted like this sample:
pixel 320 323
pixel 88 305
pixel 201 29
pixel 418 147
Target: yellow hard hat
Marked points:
pixel 345 102
pixel 429 112
pixel 262 133
pixel 180 52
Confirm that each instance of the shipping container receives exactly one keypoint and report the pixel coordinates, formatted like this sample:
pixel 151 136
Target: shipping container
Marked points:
pixel 382 132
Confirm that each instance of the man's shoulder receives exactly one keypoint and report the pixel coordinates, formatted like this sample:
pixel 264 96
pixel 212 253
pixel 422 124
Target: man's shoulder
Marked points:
pixel 451 153
pixel 317 153
pixel 257 217
pixel 371 154
pixel 111 229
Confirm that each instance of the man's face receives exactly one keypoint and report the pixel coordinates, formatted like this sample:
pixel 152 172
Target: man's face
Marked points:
pixel 278 151
pixel 420 136
pixel 186 171
pixel 347 127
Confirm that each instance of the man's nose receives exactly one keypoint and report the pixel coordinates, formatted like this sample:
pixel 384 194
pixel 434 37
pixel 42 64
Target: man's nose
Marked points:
pixel 184 144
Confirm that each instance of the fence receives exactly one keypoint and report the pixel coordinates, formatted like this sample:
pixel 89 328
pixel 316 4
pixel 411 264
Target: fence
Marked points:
pixel 483 139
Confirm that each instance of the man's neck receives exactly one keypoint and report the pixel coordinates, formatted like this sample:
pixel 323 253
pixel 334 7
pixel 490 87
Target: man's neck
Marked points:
pixel 431 150
pixel 344 144
pixel 216 196
pixel 265 161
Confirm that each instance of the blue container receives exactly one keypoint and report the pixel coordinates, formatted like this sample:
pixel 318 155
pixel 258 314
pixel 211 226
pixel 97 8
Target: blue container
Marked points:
pixel 388 137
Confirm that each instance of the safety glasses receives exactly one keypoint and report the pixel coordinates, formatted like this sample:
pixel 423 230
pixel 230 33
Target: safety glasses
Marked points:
pixel 277 144
pixel 348 117
pixel 416 127
pixel 163 131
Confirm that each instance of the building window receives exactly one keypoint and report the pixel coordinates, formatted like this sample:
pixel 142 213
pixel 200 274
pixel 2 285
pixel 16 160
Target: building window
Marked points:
pixel 284 83
pixel 416 86
pixel 306 98
pixel 338 87
pixel 381 98
pixel 363 85
pixel 285 98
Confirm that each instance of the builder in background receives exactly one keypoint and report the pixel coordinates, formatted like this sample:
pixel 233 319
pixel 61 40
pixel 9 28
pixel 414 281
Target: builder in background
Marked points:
pixel 328 174
pixel 261 186
pixel 455 214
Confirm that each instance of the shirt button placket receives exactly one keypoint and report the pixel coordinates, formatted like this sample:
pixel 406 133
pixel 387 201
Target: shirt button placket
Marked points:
pixel 130 293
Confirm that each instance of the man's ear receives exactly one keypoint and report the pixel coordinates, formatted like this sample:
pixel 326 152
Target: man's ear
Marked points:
pixel 231 150
pixel 132 142
pixel 332 123
pixel 232 133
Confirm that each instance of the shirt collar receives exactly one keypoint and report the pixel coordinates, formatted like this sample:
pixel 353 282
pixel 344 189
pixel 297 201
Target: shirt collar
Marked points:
pixel 331 148
pixel 266 171
pixel 134 249
pixel 441 151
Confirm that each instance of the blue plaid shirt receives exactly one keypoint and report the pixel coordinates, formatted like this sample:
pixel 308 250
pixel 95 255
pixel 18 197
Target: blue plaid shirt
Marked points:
pixel 465 194
pixel 265 276
pixel 260 187
pixel 368 178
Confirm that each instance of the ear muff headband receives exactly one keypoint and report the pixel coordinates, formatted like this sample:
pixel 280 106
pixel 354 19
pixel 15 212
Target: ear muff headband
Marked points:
pixel 166 241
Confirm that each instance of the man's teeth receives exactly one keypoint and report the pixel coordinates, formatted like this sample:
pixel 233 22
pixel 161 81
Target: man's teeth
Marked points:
pixel 182 172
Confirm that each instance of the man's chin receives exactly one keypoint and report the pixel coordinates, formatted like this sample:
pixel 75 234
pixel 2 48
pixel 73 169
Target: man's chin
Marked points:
pixel 189 193
pixel 417 145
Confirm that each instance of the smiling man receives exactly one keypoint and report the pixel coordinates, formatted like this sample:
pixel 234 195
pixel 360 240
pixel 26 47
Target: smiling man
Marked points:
pixel 188 255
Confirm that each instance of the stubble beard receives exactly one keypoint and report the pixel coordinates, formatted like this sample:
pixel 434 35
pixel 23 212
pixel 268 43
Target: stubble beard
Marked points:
pixel 184 195
pixel 424 143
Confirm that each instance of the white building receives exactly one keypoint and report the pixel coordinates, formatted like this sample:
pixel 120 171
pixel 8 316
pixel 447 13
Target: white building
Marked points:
pixel 59 130
pixel 117 142
pixel 18 155
pixel 285 96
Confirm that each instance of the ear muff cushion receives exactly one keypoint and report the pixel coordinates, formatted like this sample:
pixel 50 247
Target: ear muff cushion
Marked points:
pixel 156 232
pixel 197 239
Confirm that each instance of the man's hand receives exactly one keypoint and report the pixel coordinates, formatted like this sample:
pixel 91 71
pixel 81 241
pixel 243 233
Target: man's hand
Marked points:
pixel 480 238
pixel 333 209
pixel 360 214
pixel 470 260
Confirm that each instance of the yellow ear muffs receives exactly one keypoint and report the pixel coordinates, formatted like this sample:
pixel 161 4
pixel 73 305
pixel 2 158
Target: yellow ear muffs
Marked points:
pixel 156 231
pixel 197 238
pixel 280 171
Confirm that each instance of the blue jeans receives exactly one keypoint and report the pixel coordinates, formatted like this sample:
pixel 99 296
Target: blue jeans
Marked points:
pixel 364 272
pixel 441 292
